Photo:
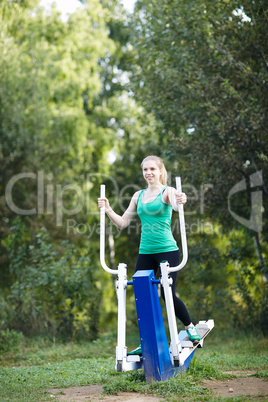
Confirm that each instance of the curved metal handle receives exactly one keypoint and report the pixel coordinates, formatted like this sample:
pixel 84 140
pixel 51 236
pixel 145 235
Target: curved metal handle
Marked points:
pixel 183 232
pixel 102 236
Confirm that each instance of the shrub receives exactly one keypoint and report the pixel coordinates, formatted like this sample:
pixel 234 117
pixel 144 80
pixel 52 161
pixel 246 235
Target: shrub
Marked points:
pixel 9 341
pixel 52 292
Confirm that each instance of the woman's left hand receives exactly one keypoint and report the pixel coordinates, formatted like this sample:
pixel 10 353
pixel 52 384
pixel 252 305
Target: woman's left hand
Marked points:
pixel 181 198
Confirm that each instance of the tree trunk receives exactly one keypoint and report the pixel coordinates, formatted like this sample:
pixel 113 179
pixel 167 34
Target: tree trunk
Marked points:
pixel 260 257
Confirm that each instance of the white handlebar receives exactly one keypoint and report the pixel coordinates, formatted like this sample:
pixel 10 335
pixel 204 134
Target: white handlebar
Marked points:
pixel 102 236
pixel 182 230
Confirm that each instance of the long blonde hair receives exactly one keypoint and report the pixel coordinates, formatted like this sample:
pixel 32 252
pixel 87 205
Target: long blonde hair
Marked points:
pixel 160 164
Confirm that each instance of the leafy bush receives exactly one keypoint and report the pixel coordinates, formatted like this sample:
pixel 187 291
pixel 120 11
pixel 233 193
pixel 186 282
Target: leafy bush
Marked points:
pixel 9 341
pixel 52 292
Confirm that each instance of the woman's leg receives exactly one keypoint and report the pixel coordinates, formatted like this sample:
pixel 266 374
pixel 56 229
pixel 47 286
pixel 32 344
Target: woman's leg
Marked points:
pixel 152 261
pixel 181 311
pixel 173 258
pixel 146 261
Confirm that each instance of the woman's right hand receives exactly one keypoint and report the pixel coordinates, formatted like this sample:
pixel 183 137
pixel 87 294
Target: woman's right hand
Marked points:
pixel 104 202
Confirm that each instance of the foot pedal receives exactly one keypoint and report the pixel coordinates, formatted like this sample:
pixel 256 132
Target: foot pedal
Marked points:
pixel 186 344
pixel 134 358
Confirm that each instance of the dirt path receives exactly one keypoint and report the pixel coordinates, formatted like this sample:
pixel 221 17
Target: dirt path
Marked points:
pixel 243 385
pixel 94 393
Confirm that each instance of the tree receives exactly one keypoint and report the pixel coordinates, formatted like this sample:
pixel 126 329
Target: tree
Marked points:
pixel 64 108
pixel 200 67
pixel 55 133
pixel 48 68
pixel 203 74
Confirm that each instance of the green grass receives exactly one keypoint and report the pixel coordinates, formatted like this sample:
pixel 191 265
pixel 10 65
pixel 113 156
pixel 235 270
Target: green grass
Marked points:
pixel 40 351
pixel 40 365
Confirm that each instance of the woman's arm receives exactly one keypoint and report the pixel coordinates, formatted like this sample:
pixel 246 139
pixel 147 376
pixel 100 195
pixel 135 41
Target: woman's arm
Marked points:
pixel 120 221
pixel 172 197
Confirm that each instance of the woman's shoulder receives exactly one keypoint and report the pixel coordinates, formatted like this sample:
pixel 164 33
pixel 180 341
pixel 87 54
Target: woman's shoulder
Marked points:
pixel 168 193
pixel 169 189
pixel 136 195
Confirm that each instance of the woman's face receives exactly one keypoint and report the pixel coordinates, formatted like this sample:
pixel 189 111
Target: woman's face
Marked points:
pixel 151 172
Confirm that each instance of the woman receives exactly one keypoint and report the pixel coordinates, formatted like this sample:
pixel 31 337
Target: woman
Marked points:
pixel 154 206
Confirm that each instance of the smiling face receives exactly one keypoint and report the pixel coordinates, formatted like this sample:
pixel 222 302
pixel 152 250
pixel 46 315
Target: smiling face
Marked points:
pixel 151 172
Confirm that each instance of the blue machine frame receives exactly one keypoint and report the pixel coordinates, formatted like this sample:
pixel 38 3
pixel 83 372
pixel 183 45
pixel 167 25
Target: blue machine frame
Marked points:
pixel 155 351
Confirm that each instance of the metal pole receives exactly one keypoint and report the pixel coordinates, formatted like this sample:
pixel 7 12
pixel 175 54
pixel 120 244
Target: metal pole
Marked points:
pixel 122 362
pixel 102 236
pixel 166 281
pixel 183 232
pixel 121 349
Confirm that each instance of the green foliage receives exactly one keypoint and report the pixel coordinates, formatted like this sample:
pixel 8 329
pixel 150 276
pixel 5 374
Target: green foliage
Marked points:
pixel 50 65
pixel 132 382
pixel 53 291
pixel 202 71
pixel 261 374
pixel 225 280
pixel 10 341
pixel 200 68
pixel 201 370
pixel 56 120
pixel 50 80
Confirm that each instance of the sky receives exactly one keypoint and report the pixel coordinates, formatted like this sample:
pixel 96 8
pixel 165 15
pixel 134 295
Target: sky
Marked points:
pixel 69 6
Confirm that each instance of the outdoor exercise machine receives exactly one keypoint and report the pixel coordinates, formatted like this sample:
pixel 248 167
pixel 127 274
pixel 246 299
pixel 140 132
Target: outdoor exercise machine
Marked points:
pixel 159 359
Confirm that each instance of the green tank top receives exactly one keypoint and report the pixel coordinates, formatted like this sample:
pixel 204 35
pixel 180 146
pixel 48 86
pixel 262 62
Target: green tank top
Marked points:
pixel 156 235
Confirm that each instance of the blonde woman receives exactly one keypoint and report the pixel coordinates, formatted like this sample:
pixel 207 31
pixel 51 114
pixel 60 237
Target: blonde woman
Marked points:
pixel 154 206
